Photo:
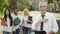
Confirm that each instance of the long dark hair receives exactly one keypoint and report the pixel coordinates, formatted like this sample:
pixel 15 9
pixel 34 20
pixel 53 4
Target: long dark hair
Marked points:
pixel 10 17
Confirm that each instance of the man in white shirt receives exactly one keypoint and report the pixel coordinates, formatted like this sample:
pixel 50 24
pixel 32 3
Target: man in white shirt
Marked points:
pixel 45 23
pixel 16 25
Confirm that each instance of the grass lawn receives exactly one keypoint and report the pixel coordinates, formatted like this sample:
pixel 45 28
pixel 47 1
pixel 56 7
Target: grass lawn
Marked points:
pixel 1 15
pixel 58 32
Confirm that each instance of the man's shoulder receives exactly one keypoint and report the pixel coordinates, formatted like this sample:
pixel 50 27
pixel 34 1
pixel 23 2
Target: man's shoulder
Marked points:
pixel 13 16
pixel 37 17
pixel 51 15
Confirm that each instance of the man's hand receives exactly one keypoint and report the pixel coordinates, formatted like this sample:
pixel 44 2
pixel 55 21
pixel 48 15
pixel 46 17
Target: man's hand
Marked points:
pixel 45 20
pixel 11 32
pixel 39 22
pixel 51 32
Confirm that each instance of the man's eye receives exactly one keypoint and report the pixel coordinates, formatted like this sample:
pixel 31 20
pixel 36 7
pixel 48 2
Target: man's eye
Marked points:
pixel 40 6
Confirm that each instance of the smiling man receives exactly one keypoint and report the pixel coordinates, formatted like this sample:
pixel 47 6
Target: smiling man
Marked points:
pixel 45 23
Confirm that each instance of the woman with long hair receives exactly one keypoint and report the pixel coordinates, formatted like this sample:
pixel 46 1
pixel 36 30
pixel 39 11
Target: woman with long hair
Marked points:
pixel 7 22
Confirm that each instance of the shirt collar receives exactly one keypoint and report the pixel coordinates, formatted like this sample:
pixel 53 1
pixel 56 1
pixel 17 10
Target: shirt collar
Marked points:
pixel 15 14
pixel 45 14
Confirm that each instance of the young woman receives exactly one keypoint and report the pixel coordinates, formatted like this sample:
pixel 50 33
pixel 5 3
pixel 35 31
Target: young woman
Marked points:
pixel 25 24
pixel 7 22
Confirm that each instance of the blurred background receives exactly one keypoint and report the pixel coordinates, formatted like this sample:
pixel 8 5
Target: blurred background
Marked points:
pixel 32 5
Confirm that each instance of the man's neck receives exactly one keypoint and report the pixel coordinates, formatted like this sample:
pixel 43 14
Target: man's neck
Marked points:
pixel 15 13
pixel 43 13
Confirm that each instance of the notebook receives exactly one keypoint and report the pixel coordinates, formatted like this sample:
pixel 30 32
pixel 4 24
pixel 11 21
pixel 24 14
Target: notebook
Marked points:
pixel 30 18
pixel 17 20
pixel 3 20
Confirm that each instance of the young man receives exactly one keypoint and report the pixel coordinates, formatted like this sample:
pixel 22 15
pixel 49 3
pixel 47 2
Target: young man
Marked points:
pixel 16 20
pixel 45 23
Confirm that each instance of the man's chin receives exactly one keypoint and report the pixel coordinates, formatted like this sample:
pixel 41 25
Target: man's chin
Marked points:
pixel 43 12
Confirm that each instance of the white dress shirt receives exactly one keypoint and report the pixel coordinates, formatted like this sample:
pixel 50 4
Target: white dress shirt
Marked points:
pixel 50 25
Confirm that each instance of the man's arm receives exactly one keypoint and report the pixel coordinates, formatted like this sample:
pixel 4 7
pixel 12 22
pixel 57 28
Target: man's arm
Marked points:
pixel 39 22
pixel 34 22
pixel 54 25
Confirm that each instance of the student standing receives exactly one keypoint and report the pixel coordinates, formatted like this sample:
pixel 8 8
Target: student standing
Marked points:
pixel 16 20
pixel 25 20
pixel 7 22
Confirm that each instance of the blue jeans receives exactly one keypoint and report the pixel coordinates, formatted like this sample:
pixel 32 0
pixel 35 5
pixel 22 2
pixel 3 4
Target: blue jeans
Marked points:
pixel 4 32
pixel 17 31
pixel 26 30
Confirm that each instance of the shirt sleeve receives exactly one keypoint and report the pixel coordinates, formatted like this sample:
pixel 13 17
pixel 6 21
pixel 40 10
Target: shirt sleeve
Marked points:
pixel 54 24
pixel 34 22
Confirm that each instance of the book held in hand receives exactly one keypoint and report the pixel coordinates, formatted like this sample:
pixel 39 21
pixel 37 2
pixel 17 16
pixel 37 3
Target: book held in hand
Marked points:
pixel 3 20
pixel 30 18
pixel 17 21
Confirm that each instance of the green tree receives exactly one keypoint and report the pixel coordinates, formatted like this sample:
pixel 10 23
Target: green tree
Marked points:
pixel 3 4
pixel 50 1
pixel 12 3
pixel 23 4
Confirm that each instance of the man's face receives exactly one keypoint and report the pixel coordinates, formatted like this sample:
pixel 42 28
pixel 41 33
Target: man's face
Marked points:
pixel 15 11
pixel 43 8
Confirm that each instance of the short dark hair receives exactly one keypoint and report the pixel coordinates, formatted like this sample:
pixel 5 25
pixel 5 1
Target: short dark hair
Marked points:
pixel 15 8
